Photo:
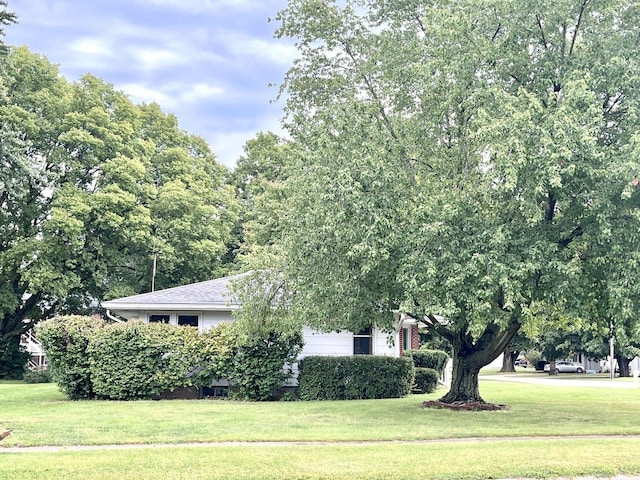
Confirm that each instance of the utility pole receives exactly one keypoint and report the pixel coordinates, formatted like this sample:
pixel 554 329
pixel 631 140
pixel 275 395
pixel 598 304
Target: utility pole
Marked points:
pixel 153 273
pixel 612 341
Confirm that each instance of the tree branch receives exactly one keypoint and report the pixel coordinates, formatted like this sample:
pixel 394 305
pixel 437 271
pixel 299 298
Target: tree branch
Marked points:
pixel 386 122
pixel 578 23
pixel 575 233
pixel 540 27
pixel 551 207
pixel 431 321
pixel 441 329
pixel 14 324
pixel 615 102
pixel 495 34
pixel 420 24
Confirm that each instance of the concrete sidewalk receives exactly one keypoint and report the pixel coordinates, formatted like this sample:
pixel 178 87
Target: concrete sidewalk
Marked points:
pixel 560 380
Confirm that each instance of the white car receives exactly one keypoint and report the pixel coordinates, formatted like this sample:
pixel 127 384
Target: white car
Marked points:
pixel 566 367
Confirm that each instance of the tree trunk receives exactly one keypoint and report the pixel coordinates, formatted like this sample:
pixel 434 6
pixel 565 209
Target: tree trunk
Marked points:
pixel 471 354
pixel 552 368
pixel 508 360
pixel 464 382
pixel 623 366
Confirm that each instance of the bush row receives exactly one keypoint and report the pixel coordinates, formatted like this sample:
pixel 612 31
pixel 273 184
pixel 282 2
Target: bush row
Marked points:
pixel 354 377
pixel 426 380
pixel 429 365
pixel 435 359
pixel 132 360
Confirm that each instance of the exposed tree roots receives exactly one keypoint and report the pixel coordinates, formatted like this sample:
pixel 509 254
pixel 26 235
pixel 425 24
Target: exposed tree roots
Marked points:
pixel 472 406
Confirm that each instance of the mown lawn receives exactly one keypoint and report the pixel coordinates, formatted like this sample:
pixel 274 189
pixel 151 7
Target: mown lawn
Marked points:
pixel 40 415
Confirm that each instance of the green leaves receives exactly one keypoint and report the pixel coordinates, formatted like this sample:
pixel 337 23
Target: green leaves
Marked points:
pixel 458 159
pixel 94 187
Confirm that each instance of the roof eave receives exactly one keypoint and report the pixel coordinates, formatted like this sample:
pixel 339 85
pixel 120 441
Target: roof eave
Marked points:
pixel 170 306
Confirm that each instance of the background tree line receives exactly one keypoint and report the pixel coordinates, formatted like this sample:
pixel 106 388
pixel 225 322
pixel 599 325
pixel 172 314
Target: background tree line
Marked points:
pixel 102 198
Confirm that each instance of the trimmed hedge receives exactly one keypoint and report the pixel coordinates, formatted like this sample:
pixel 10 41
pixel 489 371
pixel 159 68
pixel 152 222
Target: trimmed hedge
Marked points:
pixel 41 375
pixel 429 364
pixel 435 359
pixel 354 377
pixel 65 340
pixel 426 380
pixel 136 360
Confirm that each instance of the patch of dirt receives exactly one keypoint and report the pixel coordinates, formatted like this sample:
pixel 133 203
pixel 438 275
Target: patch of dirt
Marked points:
pixel 470 406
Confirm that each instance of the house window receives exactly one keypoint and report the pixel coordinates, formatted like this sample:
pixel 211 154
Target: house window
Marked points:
pixel 362 342
pixel 188 320
pixel 159 318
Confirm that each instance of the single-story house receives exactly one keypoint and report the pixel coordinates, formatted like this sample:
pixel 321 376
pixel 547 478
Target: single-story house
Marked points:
pixel 207 304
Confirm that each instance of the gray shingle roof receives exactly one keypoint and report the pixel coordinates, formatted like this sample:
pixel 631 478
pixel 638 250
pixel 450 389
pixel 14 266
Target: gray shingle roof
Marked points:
pixel 211 292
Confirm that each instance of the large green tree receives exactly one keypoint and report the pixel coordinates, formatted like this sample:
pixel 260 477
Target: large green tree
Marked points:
pixel 193 207
pixel 259 179
pixel 92 188
pixel 459 159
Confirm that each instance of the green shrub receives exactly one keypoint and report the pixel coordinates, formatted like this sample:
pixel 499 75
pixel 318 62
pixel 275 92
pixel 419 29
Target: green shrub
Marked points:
pixel 41 375
pixel 260 362
pixel 435 359
pixel 426 380
pixel 533 356
pixel 268 340
pixel 211 354
pixel 322 378
pixel 136 360
pixel 354 377
pixel 65 340
pixel 288 397
pixel 13 358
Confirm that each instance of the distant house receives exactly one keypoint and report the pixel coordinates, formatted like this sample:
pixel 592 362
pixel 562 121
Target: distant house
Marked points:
pixel 31 345
pixel 207 304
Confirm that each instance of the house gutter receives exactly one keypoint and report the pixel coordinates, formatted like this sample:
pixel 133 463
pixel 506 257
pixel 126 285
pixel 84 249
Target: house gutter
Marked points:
pixel 111 317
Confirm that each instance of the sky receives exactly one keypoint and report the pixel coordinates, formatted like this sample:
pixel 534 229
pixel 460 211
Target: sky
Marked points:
pixel 209 62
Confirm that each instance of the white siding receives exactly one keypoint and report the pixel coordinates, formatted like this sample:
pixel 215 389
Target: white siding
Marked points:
pixel 384 345
pixel 333 343
pixel 212 319
pixel 316 343
pixel 341 343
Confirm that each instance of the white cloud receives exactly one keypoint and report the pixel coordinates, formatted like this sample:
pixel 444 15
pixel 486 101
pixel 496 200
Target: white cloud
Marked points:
pixel 200 91
pixel 171 96
pixel 92 46
pixel 205 5
pixel 45 13
pixel 151 58
pixel 206 61
pixel 271 51
pixel 141 93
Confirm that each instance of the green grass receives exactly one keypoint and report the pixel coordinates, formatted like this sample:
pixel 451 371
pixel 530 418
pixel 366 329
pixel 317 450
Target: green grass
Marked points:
pixel 40 415
pixel 533 459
